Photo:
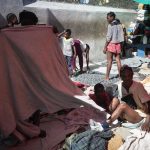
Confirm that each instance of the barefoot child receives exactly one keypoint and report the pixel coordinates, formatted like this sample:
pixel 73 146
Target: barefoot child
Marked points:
pixel 114 38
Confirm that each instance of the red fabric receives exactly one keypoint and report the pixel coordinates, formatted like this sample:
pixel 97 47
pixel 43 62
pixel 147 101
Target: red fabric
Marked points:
pixel 103 102
pixel 79 84
pixel 33 75
pixel 59 127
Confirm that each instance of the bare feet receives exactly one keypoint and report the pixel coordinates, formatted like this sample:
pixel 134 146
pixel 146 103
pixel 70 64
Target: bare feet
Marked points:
pixel 107 78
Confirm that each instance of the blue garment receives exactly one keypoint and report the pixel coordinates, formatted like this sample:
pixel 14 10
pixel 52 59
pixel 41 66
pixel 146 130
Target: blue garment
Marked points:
pixel 69 63
pixel 91 140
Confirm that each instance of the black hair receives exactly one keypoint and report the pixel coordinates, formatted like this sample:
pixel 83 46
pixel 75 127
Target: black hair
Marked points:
pixel 111 14
pixel 98 88
pixel 55 30
pixel 146 7
pixel 125 68
pixel 68 31
pixel 27 18
pixel 87 46
pixel 118 20
pixel 10 17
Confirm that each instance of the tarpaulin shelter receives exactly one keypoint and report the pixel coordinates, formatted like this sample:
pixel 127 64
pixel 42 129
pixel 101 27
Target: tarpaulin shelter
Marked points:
pixel 33 75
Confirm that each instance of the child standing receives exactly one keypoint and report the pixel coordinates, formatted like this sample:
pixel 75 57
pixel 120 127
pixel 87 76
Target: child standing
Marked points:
pixel 68 48
pixel 112 46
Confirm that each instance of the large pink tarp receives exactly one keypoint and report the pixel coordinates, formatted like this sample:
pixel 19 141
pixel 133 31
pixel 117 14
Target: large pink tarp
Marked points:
pixel 33 75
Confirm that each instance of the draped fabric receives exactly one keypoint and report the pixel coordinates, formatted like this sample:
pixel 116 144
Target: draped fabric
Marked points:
pixel 33 75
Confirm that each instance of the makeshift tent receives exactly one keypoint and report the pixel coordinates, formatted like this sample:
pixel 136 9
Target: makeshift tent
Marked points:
pixel 33 75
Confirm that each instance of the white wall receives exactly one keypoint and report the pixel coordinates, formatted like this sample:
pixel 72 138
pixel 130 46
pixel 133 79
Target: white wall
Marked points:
pixel 87 23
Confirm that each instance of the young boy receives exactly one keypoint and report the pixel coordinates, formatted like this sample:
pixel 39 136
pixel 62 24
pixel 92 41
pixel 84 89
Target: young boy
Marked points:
pixel 68 48
pixel 12 20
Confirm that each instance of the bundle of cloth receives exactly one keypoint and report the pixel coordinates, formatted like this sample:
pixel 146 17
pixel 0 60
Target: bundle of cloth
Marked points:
pixel 34 79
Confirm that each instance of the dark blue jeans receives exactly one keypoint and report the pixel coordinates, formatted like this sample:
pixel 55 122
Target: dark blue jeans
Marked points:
pixel 69 64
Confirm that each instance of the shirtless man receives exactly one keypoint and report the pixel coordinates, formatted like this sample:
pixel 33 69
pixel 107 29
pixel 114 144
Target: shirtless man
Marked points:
pixel 140 96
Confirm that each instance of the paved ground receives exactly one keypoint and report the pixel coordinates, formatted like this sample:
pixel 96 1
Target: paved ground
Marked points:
pixel 97 73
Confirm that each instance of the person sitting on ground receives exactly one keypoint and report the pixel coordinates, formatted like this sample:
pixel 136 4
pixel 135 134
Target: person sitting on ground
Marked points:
pixel 140 97
pixel 104 98
pixel 11 20
pixel 81 49
pixel 133 90
pixel 124 111
pixel 27 18
pixel 118 109
pixel 68 49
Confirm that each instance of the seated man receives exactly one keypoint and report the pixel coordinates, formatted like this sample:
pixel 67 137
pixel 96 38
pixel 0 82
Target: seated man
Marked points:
pixel 140 97
pixel 113 105
pixel 130 87
pixel 126 112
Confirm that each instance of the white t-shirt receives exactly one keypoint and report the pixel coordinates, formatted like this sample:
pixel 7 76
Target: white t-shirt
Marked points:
pixel 140 95
pixel 67 46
